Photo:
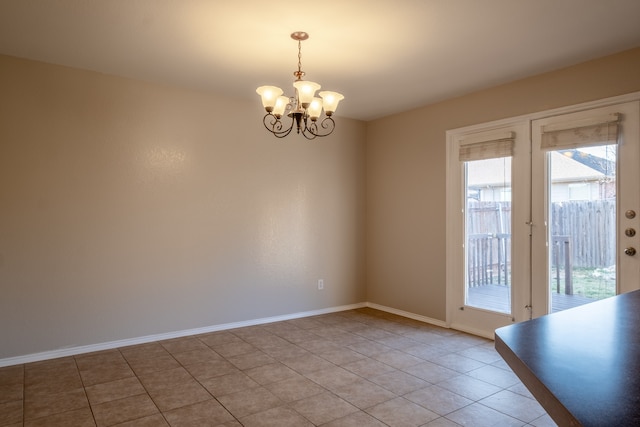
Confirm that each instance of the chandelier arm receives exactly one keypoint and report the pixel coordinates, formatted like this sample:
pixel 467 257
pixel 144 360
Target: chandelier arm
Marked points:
pixel 308 133
pixel 327 123
pixel 274 125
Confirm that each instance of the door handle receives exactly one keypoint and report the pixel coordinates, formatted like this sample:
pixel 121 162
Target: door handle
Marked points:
pixel 630 251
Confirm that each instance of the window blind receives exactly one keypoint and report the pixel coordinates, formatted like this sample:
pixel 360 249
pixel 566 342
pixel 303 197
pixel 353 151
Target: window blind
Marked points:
pixel 486 146
pixel 602 130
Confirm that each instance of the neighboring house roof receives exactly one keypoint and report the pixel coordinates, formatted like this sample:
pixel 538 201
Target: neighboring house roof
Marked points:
pixel 563 168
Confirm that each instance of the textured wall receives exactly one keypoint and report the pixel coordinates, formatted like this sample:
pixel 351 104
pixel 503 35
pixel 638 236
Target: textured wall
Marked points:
pixel 129 209
pixel 406 172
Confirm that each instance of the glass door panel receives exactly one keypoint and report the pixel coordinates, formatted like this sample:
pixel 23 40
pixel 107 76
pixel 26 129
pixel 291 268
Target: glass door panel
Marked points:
pixel 488 234
pixel 582 225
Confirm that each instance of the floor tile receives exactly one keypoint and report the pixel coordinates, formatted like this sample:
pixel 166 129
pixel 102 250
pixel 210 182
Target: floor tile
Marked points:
pixel 482 354
pixel 543 421
pixel 121 410
pixel 306 364
pixel 155 381
pixel 143 352
pixel 51 382
pixel 228 384
pixel 399 382
pixel 431 372
pixel 364 394
pixel 12 375
pixel 369 348
pixel 249 402
pixel 205 413
pixel 477 415
pixel 156 420
pixel 521 390
pixel 251 360
pixel 332 378
pixel 368 367
pixel 144 366
pixel 106 372
pixel 276 417
pixel 48 404
pixel 398 359
pixel 341 356
pixel 274 372
pixel 397 342
pixel 514 405
pixel 441 422
pixel 295 389
pixel 319 346
pixel 11 412
pixel 214 339
pixel 11 392
pixel 285 351
pixel 179 395
pixel 323 408
pixel 234 348
pixel 78 418
pixel 212 368
pixel 196 356
pixel 91 360
pixel 401 412
pixel 304 323
pixel 114 390
pixel 356 419
pixel 425 351
pixel 438 400
pixel 180 345
pixel 457 362
pixel 495 376
pixel 469 387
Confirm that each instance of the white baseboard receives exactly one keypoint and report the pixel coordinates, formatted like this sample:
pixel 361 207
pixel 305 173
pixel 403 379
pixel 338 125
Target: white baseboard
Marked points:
pixel 409 315
pixel 72 351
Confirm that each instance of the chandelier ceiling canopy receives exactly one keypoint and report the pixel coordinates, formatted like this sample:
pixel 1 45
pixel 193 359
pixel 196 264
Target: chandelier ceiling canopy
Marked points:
pixel 304 108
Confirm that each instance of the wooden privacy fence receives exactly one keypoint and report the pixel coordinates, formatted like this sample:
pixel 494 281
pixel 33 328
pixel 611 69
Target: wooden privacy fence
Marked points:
pixel 581 236
pixel 591 225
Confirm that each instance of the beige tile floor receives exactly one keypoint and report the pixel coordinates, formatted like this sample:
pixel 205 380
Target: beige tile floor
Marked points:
pixel 354 368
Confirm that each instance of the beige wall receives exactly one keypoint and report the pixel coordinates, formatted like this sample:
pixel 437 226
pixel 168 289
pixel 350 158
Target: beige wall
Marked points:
pixel 405 163
pixel 129 209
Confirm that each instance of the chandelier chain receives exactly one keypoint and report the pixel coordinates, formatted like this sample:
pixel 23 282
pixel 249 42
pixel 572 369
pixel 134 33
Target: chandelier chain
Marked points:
pixel 299 56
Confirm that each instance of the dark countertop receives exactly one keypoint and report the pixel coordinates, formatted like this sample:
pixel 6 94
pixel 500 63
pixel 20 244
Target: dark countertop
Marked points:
pixel 582 364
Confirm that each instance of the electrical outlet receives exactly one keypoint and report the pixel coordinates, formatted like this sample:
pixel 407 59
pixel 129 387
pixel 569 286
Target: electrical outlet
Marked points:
pixel 320 284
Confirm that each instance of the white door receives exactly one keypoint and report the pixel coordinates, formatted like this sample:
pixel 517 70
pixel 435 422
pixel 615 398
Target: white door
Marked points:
pixel 585 187
pixel 543 222
pixel 489 176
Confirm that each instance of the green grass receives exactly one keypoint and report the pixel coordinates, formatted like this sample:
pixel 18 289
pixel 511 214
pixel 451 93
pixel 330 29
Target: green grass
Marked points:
pixel 595 283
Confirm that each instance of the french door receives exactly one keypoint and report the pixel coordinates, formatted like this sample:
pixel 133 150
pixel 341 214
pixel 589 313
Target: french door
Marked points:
pixel 540 214
pixel 586 192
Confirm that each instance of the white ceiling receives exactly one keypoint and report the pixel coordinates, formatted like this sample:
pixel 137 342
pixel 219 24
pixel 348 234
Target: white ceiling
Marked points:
pixel 384 56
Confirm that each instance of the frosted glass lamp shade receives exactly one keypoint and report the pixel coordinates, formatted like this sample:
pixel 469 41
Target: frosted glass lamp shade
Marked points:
pixel 315 109
pixel 306 91
pixel 281 106
pixel 330 101
pixel 269 96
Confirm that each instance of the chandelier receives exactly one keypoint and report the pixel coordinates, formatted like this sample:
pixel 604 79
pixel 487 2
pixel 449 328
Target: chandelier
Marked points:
pixel 304 108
